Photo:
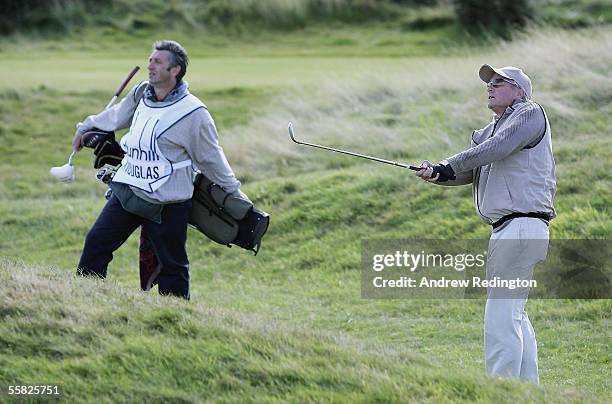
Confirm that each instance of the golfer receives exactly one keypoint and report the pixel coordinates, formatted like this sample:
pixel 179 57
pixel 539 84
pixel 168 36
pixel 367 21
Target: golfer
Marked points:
pixel 170 132
pixel 512 171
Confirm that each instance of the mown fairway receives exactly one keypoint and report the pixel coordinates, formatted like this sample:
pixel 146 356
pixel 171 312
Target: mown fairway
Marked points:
pixel 290 324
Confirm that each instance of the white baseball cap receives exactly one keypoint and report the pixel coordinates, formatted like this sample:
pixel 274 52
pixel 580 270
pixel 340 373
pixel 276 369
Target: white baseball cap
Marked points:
pixel 509 72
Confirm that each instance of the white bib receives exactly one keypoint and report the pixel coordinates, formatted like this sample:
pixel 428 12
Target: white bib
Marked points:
pixel 144 166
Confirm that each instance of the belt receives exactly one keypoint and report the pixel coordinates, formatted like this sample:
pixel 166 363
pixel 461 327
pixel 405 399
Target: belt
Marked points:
pixel 538 215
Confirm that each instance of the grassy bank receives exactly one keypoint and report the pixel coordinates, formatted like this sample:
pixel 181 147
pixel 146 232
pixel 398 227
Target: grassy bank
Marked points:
pixel 98 339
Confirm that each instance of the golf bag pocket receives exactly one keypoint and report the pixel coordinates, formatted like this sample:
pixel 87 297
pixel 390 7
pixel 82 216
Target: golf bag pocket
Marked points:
pixel 109 153
pixel 136 205
pixel 236 204
pixel 93 137
pixel 226 218
pixel 251 229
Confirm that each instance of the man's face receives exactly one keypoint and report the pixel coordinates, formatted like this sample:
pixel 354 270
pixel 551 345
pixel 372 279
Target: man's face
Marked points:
pixel 159 68
pixel 501 93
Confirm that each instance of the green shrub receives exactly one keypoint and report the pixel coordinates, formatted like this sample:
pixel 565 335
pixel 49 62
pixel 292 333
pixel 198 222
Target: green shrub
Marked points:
pixel 497 17
pixel 291 14
pixel 428 18
pixel 56 15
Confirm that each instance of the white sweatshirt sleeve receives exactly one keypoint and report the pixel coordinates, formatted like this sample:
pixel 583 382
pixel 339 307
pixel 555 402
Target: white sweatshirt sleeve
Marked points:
pixel 119 116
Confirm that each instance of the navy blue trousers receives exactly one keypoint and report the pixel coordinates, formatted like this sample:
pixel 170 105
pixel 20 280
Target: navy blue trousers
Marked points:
pixel 115 225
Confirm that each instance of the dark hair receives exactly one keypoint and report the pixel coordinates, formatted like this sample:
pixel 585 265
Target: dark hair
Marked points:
pixel 179 55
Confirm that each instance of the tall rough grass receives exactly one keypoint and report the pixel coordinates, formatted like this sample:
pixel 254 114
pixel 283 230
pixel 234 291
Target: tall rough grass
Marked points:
pixel 291 14
pixel 99 341
pixel 242 15
pixel 433 106
pixel 67 15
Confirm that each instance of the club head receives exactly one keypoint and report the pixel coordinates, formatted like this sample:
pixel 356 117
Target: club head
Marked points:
pixel 291 133
pixel 64 173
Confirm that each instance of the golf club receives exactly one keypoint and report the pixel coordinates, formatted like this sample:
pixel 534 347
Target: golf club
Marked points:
pixel 393 163
pixel 123 85
pixel 65 173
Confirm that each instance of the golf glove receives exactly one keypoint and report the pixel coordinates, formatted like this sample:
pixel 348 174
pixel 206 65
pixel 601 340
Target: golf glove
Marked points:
pixel 444 172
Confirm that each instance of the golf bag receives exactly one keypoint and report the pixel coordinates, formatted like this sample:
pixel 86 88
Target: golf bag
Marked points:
pixel 227 218
pixel 108 154
pixel 224 218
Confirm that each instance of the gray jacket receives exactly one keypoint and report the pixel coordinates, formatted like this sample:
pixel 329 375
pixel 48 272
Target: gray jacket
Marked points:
pixel 194 138
pixel 510 164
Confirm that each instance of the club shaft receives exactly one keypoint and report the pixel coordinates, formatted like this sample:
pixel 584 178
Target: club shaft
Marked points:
pixel 111 102
pixel 363 156
pixel 127 80
pixel 122 87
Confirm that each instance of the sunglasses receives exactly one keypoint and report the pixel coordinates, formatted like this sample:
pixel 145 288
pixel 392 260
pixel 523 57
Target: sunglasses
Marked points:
pixel 499 82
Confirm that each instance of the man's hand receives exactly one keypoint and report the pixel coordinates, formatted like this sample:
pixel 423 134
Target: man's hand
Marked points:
pixel 425 172
pixel 440 172
pixel 76 141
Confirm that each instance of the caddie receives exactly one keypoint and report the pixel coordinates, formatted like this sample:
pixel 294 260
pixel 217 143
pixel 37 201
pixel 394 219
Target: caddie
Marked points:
pixel 170 133
pixel 511 168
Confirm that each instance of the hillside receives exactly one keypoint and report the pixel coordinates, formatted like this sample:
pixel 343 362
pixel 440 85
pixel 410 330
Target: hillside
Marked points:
pixel 98 339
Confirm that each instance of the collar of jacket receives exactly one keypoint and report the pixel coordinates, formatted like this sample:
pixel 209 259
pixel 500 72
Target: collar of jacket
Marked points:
pixel 510 109
pixel 177 92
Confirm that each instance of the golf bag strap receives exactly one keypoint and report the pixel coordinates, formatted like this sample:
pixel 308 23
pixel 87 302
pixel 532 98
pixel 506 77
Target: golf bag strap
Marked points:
pixel 225 199
pixel 182 164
